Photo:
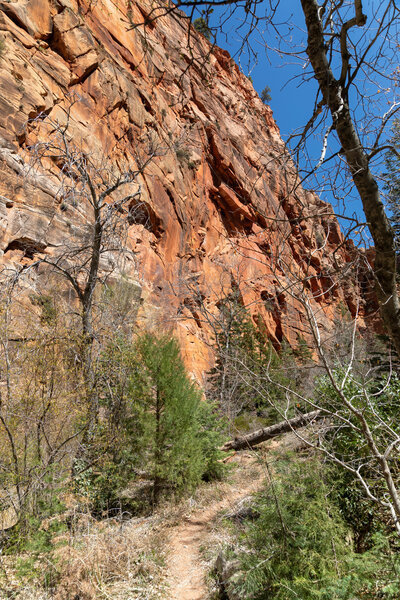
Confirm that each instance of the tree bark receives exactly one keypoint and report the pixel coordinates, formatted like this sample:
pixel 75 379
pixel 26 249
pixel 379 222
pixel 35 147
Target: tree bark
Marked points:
pixel 266 433
pixel 335 98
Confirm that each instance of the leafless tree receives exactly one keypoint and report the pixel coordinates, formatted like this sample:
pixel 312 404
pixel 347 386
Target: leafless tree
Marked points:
pixel 349 50
pixel 49 398
pixel 41 394
pixel 354 398
pixel 106 193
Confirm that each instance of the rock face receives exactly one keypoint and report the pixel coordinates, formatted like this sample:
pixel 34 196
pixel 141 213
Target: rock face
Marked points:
pixel 224 205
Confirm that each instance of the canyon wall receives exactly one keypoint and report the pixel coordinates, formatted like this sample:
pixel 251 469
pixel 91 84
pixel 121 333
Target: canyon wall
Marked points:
pixel 222 208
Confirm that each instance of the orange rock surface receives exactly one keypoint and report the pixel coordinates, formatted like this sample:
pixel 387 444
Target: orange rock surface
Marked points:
pixel 225 208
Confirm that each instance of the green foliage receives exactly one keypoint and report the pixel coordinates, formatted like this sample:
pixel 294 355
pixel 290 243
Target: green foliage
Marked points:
pixel 36 529
pixel 243 356
pixel 33 539
pixel 180 450
pixel 356 509
pixel 300 547
pixel 302 352
pixel 116 445
pixel 172 400
pixel 377 399
pixel 153 423
pixel 211 434
pixel 46 303
pixel 266 95
pixel 247 421
pixel 201 25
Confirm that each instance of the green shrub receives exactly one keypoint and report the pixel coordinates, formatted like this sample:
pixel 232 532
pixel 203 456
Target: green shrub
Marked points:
pixel 183 155
pixel 48 309
pixel 302 352
pixel 300 546
pixel 118 442
pixel 154 426
pixel 37 534
pixel 243 357
pixel 201 25
pixel 211 434
pixel 32 543
pixel 378 401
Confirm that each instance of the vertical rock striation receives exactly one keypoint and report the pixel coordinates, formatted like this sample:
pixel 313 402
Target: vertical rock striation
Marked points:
pixel 224 208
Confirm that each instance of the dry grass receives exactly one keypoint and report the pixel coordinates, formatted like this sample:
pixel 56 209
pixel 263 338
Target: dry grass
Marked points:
pixel 124 560
pixel 112 559
pixel 244 468
pixel 26 593
pixel 98 560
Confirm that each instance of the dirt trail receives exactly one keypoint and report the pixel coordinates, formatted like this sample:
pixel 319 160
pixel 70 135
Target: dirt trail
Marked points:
pixel 186 570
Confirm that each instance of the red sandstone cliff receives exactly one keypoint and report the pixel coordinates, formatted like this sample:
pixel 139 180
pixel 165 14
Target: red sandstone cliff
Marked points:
pixel 222 197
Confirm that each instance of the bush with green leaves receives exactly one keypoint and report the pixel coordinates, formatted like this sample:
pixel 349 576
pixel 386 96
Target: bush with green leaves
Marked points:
pixel 180 451
pixel 183 155
pixel 117 445
pixel 211 433
pixel 202 26
pixel 300 547
pixel 376 399
pixel 153 426
pixel 37 534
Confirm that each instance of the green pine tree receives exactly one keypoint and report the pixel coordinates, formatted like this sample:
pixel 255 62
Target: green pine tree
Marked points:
pixel 153 421
pixel 176 452
pixel 300 546
pixel 266 95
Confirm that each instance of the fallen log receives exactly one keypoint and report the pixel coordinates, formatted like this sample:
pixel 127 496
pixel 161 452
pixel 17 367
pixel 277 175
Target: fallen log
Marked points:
pixel 266 433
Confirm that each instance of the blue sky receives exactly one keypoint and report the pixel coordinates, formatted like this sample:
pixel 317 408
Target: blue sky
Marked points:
pixel 290 100
pixel 292 97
